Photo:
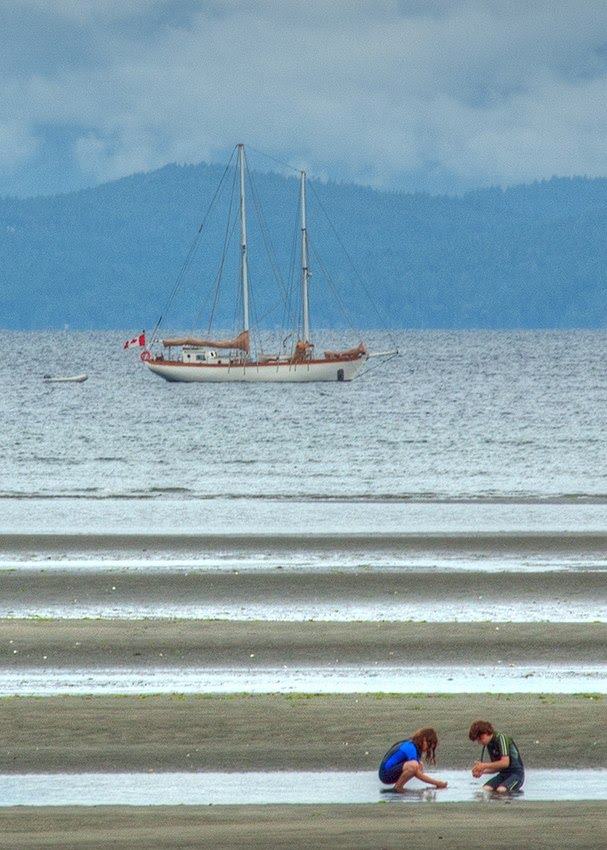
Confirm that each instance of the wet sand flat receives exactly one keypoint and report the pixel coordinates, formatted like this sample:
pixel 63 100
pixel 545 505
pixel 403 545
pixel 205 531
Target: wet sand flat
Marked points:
pixel 151 545
pixel 64 590
pixel 341 733
pixel 286 732
pixel 543 826
pixel 244 732
pixel 61 644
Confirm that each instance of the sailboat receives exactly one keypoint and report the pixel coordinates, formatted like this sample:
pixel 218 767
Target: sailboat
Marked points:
pixel 202 359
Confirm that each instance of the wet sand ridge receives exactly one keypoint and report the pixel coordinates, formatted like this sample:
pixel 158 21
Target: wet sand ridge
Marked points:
pixel 147 545
pixel 33 588
pixel 286 732
pixel 543 826
pixel 53 644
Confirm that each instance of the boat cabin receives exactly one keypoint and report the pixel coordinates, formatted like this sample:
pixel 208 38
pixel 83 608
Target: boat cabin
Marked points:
pixel 197 354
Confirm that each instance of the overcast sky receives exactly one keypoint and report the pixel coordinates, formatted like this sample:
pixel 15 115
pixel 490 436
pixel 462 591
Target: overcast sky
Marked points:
pixel 437 95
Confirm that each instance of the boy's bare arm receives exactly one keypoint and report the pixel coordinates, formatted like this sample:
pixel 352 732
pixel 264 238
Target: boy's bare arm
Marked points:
pixel 481 767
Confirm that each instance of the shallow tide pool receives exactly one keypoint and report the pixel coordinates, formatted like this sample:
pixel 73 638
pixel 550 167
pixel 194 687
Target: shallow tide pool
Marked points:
pixel 462 611
pixel 259 680
pixel 258 788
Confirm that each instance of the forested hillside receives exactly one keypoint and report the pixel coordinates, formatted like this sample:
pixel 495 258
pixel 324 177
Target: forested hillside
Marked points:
pixel 533 256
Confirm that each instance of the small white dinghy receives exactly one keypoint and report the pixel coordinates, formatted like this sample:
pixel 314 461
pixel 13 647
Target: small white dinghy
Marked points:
pixel 67 379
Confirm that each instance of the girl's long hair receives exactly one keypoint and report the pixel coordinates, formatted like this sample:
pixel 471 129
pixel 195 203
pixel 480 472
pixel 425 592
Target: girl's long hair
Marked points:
pixel 431 743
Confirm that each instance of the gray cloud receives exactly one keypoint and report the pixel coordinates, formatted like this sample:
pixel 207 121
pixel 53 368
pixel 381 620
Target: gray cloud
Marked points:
pixel 417 94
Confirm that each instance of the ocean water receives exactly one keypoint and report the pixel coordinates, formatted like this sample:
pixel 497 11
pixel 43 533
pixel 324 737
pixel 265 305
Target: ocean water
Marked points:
pixel 465 431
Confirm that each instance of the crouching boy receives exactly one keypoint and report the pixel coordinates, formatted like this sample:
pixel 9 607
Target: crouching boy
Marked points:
pixel 505 759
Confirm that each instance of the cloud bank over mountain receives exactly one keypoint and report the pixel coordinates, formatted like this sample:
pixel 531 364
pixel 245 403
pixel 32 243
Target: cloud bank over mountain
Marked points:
pixel 431 95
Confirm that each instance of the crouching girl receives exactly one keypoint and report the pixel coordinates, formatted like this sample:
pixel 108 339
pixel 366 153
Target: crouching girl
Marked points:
pixel 403 761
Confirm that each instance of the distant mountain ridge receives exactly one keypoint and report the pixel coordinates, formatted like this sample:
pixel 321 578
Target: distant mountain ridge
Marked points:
pixel 532 256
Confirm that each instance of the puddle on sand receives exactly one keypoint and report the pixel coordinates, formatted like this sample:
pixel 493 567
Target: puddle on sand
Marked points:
pixel 468 611
pixel 307 559
pixel 162 789
pixel 338 680
pixel 300 516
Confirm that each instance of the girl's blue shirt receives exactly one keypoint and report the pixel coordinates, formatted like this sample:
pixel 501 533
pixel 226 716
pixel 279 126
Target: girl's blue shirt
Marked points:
pixel 407 751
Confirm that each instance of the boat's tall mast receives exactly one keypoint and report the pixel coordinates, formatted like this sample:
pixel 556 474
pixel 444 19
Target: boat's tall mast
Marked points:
pixel 305 273
pixel 243 244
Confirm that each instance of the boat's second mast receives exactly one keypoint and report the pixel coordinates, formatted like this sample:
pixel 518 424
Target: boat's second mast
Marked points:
pixel 243 244
pixel 305 273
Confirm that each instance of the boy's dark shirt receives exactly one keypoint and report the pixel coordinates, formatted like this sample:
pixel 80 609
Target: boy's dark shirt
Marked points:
pixel 502 745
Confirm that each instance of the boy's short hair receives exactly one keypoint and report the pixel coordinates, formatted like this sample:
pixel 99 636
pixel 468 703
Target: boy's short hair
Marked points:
pixel 478 728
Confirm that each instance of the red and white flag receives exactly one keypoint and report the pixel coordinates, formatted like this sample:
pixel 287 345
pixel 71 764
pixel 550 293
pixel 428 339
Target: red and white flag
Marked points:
pixel 136 341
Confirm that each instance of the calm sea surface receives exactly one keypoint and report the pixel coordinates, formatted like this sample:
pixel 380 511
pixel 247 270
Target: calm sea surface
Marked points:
pixel 465 431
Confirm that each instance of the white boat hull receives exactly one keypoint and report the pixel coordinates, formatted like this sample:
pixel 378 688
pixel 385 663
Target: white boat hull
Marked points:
pixel 271 373
pixel 67 379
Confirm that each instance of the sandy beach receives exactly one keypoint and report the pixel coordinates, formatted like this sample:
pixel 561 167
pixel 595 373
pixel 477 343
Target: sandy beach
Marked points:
pixel 344 732
pixel 61 644
pixel 398 543
pixel 297 732
pixel 290 732
pixel 293 732
pixel 542 826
